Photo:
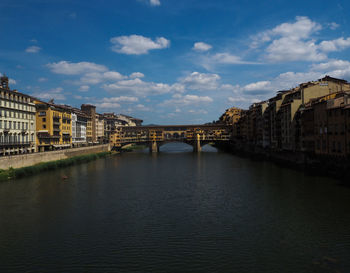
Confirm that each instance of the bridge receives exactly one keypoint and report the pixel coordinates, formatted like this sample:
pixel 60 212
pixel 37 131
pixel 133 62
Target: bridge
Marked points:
pixel 155 136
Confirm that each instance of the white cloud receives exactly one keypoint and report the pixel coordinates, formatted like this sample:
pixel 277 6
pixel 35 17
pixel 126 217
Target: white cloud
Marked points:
pixel 42 79
pixel 154 2
pixel 143 108
pixel 331 65
pixel 107 105
pixel 121 99
pixel 12 81
pixel 137 44
pixel 136 75
pixel 68 68
pixel 291 41
pixel 334 68
pixel 113 75
pixel 333 25
pixel 33 49
pixel 140 88
pixel 200 112
pixel 186 100
pixel 287 49
pixel 296 42
pixel 201 81
pixel 261 85
pixel 84 88
pixel 224 58
pixel 335 45
pixel 301 29
pixel 230 87
pixel 200 46
pixel 96 77
pixel 55 93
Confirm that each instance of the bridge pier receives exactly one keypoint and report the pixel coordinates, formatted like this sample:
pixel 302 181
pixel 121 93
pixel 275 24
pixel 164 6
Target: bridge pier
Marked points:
pixel 153 147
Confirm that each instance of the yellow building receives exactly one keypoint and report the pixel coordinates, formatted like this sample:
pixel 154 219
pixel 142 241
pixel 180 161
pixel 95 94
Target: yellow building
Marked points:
pixel 115 138
pixel 295 98
pixel 53 124
pixel 231 116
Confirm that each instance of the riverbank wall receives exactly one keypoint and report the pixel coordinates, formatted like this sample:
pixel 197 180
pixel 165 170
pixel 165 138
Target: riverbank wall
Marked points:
pixel 337 167
pixel 26 160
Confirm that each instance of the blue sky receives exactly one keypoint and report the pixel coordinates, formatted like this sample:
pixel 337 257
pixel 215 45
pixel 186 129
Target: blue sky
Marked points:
pixel 167 61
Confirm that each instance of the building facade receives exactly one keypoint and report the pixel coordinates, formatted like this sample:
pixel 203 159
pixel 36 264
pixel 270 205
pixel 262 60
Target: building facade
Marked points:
pixel 53 123
pixel 100 128
pixel 90 111
pixel 17 121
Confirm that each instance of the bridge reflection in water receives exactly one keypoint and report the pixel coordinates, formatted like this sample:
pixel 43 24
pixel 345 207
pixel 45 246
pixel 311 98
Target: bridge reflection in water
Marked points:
pixel 155 136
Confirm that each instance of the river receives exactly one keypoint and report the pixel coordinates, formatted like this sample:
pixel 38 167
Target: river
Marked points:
pixel 176 211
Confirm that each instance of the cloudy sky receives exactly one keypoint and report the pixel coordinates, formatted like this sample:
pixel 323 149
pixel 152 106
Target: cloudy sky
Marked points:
pixel 170 61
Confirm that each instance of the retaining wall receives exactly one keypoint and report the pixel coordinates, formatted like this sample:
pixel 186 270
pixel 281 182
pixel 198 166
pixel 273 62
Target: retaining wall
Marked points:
pixel 25 160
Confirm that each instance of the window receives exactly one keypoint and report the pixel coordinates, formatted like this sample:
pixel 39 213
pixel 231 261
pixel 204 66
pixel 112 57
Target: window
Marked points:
pixel 44 119
pixel 44 126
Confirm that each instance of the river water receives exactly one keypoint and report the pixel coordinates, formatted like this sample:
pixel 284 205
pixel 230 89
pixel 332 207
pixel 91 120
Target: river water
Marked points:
pixel 176 211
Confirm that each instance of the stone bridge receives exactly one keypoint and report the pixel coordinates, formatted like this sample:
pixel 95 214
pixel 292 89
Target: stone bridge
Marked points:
pixel 155 136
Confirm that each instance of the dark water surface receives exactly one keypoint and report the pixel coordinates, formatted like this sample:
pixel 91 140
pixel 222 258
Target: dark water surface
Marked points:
pixel 175 212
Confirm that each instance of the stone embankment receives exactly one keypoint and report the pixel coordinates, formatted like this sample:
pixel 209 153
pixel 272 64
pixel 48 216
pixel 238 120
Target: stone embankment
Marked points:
pixel 25 160
pixel 336 167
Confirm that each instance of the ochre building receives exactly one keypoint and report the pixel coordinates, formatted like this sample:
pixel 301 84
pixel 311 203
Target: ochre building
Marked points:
pixel 53 125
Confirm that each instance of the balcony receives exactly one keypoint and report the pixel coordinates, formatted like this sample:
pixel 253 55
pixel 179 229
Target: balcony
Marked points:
pixel 56 123
pixel 14 144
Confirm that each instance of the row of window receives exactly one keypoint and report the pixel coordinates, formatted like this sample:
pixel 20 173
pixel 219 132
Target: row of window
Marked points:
pixel 15 114
pixel 17 106
pixel 14 97
pixel 15 139
pixel 332 128
pixel 15 125
pixel 335 147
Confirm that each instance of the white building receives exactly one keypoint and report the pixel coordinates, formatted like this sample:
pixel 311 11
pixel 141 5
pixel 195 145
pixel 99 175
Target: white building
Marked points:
pixel 17 121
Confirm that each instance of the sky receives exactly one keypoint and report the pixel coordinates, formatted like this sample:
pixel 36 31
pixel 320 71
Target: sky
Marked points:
pixel 170 61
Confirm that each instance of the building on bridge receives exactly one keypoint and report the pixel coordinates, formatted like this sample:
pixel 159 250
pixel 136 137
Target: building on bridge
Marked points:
pixel 155 136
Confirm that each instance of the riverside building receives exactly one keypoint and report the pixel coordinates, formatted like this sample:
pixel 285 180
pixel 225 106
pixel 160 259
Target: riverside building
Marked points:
pixel 90 111
pixel 79 124
pixel 53 123
pixel 17 121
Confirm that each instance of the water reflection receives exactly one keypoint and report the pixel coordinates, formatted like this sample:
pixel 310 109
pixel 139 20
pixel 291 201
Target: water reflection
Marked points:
pixel 175 211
